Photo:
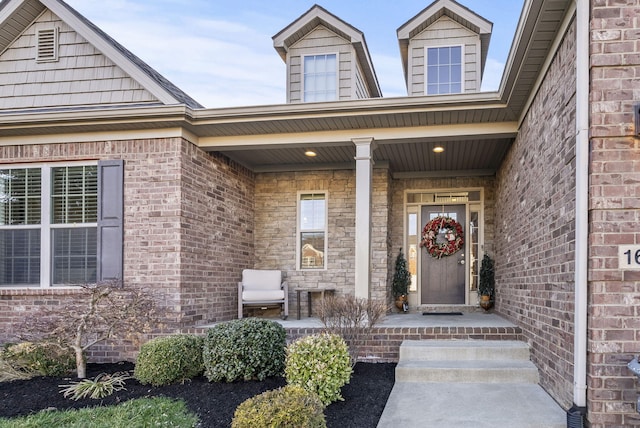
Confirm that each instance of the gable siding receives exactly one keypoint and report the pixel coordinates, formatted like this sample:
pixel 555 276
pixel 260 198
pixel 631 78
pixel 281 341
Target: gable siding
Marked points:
pixel 321 41
pixel 82 75
pixel 360 88
pixel 444 32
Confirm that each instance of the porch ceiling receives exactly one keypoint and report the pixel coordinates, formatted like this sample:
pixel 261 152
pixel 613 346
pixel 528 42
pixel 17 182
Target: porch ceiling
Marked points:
pixel 405 157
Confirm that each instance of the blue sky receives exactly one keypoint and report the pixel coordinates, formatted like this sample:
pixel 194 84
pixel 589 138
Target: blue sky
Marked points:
pixel 221 53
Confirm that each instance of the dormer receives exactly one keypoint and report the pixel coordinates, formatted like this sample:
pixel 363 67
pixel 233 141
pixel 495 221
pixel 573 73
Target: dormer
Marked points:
pixel 327 59
pixel 444 49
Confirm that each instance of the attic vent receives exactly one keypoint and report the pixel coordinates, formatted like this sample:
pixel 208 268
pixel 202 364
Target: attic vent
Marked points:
pixel 47 45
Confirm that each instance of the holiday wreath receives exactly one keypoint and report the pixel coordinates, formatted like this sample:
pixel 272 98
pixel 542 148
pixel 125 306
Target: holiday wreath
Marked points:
pixel 453 237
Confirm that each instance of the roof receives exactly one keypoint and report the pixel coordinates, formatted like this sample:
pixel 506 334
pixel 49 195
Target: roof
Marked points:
pixel 477 128
pixel 17 15
pixel 317 15
pixel 455 11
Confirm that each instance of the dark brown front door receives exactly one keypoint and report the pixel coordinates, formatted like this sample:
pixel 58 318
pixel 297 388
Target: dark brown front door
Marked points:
pixel 443 279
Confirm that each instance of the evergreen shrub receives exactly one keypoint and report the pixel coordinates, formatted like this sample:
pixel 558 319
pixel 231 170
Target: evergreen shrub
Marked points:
pixel 169 359
pixel 248 348
pixel 290 406
pixel 319 363
pixel 39 358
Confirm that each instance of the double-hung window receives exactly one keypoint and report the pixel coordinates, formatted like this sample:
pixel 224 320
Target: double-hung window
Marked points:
pixel 320 78
pixel 49 224
pixel 312 230
pixel 444 70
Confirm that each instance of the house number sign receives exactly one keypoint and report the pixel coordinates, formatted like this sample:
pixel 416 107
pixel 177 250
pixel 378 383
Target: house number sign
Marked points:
pixel 629 257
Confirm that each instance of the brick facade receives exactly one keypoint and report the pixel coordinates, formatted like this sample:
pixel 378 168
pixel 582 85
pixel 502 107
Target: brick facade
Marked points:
pixel 614 213
pixel 173 246
pixel 535 222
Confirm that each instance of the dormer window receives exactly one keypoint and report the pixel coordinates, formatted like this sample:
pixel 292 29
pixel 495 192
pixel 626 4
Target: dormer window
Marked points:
pixel 320 78
pixel 444 70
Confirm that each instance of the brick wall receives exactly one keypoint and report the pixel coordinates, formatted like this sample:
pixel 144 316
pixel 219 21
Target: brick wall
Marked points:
pixel 275 232
pixel 535 221
pixel 173 246
pixel 217 235
pixel 614 213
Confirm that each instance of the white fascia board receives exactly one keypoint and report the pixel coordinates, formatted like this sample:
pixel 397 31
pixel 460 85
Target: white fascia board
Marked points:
pixel 110 52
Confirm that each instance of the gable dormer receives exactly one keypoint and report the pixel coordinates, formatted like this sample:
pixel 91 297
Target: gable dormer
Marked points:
pixel 444 49
pixel 327 59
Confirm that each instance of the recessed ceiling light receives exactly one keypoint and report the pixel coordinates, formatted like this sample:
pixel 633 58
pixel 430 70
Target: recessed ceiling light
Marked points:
pixel 438 149
pixel 310 153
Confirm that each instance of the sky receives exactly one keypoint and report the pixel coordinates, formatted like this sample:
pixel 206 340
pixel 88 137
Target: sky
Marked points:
pixel 221 53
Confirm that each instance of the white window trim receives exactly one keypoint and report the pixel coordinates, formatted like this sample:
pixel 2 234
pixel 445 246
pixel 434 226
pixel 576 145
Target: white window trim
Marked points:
pixel 302 71
pixel 45 226
pixel 462 66
pixel 299 230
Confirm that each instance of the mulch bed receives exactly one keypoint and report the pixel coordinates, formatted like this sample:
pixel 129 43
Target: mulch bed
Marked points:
pixel 214 403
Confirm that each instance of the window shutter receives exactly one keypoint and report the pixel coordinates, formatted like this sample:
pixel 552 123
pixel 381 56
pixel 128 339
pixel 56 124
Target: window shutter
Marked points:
pixel 110 220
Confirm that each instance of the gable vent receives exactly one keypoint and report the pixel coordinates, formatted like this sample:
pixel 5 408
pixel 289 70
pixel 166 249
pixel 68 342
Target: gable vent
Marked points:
pixel 47 45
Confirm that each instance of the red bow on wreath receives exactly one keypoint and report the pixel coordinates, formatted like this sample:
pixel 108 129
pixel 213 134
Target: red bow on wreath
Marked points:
pixel 454 237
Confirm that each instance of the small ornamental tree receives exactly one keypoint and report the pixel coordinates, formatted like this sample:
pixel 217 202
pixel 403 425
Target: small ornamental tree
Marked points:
pixel 401 276
pixel 101 312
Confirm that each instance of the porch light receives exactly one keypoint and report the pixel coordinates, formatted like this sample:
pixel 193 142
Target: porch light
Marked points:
pixel 438 149
pixel 310 153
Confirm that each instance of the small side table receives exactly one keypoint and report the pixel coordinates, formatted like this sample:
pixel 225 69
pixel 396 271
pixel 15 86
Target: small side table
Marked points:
pixel 309 292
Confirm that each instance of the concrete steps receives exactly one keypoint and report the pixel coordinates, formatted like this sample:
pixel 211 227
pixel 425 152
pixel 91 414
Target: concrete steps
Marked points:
pixel 469 383
pixel 465 361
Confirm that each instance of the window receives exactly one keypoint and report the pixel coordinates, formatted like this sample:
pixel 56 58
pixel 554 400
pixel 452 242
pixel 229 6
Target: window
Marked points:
pixel 320 78
pixel 444 70
pixel 49 223
pixel 312 230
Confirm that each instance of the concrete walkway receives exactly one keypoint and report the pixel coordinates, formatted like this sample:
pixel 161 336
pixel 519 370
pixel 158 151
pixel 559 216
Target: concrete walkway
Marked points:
pixel 468 383
pixel 477 405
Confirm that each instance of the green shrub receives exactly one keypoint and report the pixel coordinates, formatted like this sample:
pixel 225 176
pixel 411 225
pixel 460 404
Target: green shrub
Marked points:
pixel 319 363
pixel 247 348
pixel 290 406
pixel 165 360
pixel 39 358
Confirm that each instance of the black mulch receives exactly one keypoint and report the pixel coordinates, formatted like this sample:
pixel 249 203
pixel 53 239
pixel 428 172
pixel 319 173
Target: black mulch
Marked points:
pixel 214 403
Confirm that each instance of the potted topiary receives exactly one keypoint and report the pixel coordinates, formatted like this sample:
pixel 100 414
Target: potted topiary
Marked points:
pixel 487 286
pixel 401 281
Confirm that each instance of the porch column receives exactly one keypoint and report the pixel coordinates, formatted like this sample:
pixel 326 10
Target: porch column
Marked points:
pixel 364 173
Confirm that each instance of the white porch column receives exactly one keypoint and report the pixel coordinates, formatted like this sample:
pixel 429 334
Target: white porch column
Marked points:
pixel 364 173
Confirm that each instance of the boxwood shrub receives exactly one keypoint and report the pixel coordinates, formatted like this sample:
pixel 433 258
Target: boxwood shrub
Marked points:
pixel 169 359
pixel 39 358
pixel 319 363
pixel 289 406
pixel 247 348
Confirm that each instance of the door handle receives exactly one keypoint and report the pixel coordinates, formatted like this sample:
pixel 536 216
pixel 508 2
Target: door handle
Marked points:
pixel 461 262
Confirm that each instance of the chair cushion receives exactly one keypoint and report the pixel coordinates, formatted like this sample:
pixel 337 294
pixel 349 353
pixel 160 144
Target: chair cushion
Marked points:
pixel 256 279
pixel 262 295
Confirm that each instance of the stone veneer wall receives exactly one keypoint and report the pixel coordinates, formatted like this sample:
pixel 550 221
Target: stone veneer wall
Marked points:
pixel 275 233
pixel 535 227
pixel 614 213
pixel 173 245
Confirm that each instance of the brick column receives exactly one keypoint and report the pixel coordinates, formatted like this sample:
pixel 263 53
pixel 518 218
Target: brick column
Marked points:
pixel 364 173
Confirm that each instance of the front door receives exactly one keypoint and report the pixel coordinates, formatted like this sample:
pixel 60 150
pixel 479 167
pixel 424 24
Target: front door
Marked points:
pixel 443 279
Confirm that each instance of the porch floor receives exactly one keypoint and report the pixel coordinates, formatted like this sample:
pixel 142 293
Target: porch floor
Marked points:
pixel 414 319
